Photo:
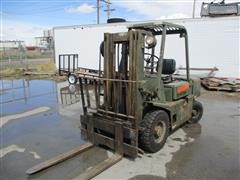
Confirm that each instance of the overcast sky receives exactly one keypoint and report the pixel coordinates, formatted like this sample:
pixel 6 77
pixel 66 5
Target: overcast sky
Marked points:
pixel 25 19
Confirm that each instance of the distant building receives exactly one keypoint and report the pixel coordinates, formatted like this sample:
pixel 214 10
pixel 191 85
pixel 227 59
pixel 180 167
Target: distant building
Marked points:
pixel 7 45
pixel 45 42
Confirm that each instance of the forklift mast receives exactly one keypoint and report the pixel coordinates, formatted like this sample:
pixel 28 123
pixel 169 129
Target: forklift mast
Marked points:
pixel 122 70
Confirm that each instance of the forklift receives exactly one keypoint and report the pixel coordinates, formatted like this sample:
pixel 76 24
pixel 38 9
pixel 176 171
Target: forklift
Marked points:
pixel 137 101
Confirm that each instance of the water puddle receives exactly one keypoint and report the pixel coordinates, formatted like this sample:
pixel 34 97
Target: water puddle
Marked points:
pixel 39 120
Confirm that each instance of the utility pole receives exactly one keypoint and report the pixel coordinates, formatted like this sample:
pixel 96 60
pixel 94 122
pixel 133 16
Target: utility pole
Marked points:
pixel 194 6
pixel 108 10
pixel 98 10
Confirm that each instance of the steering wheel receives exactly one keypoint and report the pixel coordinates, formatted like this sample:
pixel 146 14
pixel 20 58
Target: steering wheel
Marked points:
pixel 150 57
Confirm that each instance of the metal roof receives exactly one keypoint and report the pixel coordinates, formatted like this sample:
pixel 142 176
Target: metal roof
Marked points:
pixel 157 28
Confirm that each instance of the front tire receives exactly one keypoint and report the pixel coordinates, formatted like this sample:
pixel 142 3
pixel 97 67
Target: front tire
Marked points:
pixel 197 112
pixel 155 126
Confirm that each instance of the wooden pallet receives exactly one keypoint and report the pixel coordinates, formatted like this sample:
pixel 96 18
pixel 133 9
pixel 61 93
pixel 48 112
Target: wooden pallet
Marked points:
pixel 221 84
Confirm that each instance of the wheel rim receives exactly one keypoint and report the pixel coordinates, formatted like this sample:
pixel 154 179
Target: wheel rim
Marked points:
pixel 195 113
pixel 71 79
pixel 159 132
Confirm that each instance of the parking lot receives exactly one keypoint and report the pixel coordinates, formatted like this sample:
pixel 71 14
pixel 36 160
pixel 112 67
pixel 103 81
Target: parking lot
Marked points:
pixel 40 119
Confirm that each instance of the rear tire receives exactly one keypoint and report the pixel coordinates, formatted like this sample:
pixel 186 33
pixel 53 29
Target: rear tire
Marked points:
pixel 155 126
pixel 72 79
pixel 197 112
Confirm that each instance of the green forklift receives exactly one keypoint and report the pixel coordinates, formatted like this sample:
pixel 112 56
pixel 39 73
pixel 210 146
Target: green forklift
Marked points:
pixel 139 91
pixel 136 101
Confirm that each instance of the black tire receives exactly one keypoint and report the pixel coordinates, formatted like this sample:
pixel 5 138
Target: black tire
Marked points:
pixel 150 138
pixel 197 112
pixel 72 78
pixel 116 20
pixel 102 48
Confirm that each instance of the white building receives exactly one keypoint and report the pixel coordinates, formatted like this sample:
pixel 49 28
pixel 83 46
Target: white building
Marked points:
pixel 213 42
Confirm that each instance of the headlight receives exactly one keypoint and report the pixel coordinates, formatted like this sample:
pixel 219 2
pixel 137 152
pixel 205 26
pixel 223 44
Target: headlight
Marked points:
pixel 150 41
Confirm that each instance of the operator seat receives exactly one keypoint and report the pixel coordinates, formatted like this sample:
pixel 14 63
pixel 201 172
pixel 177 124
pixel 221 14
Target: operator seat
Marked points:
pixel 168 68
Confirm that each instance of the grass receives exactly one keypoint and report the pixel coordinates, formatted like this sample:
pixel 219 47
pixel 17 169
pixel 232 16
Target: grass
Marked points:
pixel 45 70
pixel 15 54
pixel 10 72
pixel 47 67
pixel 18 72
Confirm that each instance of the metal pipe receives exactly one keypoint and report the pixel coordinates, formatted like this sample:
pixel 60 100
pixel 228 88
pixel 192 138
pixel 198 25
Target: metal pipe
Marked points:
pixel 162 50
pixel 74 63
pixel 116 114
pixel 187 55
pixel 68 63
pixel 98 11
pixel 82 96
pixel 194 6
pixel 99 76
pixel 59 65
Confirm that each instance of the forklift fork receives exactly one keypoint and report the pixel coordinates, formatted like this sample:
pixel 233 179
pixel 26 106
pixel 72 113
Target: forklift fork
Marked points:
pixel 92 171
pixel 58 159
